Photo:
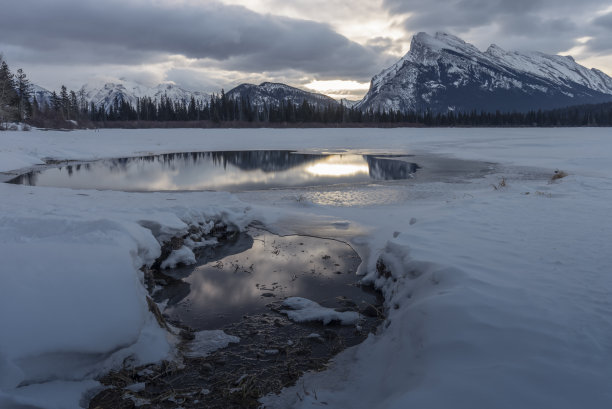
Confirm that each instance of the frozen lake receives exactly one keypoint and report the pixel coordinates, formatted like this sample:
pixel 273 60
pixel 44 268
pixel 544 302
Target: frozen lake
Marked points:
pixel 494 292
pixel 340 177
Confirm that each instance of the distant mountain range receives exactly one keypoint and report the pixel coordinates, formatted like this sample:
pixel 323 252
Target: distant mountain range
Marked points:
pixel 129 92
pixel 440 73
pixel 270 94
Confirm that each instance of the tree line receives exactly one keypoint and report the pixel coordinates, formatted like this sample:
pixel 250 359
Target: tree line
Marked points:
pixel 223 109
pixel 19 104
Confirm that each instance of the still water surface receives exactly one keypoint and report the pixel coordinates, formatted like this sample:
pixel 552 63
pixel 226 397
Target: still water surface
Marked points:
pixel 223 171
pixel 244 276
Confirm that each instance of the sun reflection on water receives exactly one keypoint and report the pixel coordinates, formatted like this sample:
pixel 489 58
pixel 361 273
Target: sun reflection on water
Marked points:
pixel 334 166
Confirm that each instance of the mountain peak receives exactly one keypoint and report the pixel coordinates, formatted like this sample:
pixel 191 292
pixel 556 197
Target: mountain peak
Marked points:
pixel 448 38
pixel 274 93
pixel 442 71
pixel 273 85
pixel 424 44
pixel 438 40
pixel 495 50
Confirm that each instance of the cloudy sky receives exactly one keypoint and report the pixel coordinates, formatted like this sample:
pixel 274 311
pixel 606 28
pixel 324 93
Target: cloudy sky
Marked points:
pixel 330 46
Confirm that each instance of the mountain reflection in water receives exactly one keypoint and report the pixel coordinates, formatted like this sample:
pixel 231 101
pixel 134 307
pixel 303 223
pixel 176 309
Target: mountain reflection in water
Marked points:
pixel 226 171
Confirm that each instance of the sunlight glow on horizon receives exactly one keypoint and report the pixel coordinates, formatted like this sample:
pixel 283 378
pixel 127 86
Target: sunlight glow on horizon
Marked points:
pixel 339 88
pixel 601 62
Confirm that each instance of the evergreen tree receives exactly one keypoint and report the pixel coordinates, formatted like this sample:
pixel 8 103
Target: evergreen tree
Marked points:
pixel 56 105
pixel 64 104
pixel 8 96
pixel 24 93
pixel 74 106
pixel 82 101
pixel 36 109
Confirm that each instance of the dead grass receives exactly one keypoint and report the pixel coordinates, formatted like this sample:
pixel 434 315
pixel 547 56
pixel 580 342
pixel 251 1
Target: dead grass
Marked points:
pixel 501 185
pixel 544 194
pixel 559 174
pixel 382 269
pixel 157 313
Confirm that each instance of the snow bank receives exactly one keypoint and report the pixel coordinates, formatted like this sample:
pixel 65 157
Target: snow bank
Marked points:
pixel 93 304
pixel 72 300
pixel 182 255
pixel 208 341
pixel 304 310
pixel 52 395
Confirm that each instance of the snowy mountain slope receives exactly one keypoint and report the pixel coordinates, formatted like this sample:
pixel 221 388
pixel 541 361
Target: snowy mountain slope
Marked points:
pixel 130 92
pixel 273 93
pixel 42 95
pixel 443 72
pixel 348 103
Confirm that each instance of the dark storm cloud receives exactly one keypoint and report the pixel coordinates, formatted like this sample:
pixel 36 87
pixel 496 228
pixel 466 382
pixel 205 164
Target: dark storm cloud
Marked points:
pixel 458 14
pixel 546 34
pixel 78 52
pixel 601 44
pixel 138 31
pixel 383 44
pixel 547 25
pixel 604 21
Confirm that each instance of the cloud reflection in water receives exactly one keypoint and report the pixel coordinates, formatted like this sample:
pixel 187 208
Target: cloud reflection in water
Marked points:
pixel 225 171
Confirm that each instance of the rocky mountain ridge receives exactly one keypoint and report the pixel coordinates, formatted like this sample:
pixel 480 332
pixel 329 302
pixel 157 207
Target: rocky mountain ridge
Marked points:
pixel 443 72
pixel 270 93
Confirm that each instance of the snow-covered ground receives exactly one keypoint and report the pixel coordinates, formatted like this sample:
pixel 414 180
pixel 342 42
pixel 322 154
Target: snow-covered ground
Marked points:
pixel 498 297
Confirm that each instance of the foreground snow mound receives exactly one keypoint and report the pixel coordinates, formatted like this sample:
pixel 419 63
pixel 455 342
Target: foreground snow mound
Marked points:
pixel 184 255
pixel 304 310
pixel 51 395
pixel 208 341
pixel 71 310
pixel 72 300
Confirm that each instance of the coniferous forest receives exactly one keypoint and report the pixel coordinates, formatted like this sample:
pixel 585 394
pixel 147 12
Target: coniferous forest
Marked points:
pixel 70 109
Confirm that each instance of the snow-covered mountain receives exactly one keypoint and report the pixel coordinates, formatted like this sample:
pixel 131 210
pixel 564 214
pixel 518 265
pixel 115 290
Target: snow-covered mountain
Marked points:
pixel 42 95
pixel 273 93
pixel 106 94
pixel 348 103
pixel 129 92
pixel 443 72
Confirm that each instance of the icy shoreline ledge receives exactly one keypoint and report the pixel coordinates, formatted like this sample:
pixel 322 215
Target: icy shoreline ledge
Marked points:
pixel 496 298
